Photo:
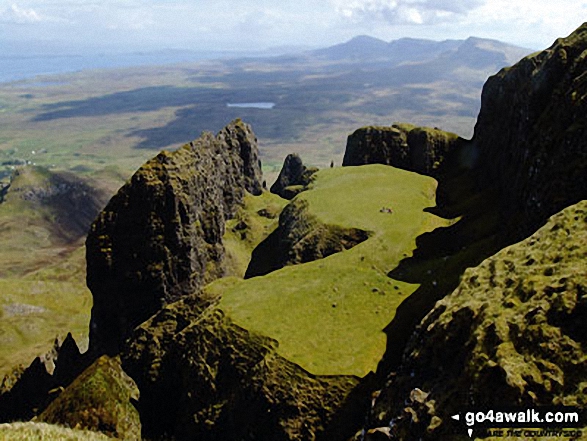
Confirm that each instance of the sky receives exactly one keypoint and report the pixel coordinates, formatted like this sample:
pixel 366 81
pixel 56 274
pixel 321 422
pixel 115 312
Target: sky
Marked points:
pixel 130 25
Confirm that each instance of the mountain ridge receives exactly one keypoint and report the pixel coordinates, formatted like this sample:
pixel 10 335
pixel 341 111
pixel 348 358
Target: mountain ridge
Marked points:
pixel 229 364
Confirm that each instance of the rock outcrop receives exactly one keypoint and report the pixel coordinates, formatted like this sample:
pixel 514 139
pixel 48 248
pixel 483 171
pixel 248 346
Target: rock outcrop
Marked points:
pixel 101 400
pixel 293 178
pixel 531 134
pixel 419 149
pixel 160 237
pixel 203 377
pixel 513 332
pixel 28 392
pixel 299 238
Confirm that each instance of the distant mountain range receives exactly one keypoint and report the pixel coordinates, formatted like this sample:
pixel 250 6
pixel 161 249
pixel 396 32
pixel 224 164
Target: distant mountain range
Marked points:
pixel 26 60
pixel 407 50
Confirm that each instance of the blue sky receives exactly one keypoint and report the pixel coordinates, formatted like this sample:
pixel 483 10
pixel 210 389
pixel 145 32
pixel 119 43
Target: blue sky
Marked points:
pixel 259 24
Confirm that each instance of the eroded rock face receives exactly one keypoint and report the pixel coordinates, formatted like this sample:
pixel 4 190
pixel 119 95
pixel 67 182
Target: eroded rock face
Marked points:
pixel 532 132
pixel 203 377
pixel 160 236
pixel 513 332
pixel 419 149
pixel 293 178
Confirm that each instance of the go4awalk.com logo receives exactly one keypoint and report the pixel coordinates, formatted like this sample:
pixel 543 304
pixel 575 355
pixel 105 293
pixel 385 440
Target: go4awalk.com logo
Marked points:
pixel 563 422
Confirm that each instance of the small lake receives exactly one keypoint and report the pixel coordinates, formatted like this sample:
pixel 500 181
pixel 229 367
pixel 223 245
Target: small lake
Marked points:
pixel 261 105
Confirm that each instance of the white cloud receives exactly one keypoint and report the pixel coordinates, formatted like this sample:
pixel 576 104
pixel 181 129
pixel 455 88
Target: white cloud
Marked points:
pixel 16 14
pixel 534 23
pixel 404 12
pixel 205 24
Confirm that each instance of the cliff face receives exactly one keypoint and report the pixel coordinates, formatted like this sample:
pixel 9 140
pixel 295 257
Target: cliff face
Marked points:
pixel 419 149
pixel 513 332
pixel 160 236
pixel 531 131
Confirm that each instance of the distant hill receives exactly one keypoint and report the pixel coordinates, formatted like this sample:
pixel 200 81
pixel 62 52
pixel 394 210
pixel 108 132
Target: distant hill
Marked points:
pixel 404 50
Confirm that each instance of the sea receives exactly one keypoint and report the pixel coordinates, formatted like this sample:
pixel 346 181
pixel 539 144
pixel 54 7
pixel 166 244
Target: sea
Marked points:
pixel 24 67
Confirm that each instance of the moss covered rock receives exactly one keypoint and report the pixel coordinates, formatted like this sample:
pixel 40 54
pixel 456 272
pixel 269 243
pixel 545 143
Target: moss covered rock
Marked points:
pixel 531 134
pixel 300 237
pixel 160 236
pixel 419 149
pixel 512 333
pixel 203 377
pixel 98 400
pixel 293 178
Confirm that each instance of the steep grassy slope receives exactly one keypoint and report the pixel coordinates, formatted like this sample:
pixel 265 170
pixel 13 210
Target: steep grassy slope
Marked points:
pixel 328 314
pixel 252 223
pixel 43 218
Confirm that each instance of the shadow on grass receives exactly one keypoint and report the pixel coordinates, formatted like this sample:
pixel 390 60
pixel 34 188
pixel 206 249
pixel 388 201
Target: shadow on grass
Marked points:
pixel 443 255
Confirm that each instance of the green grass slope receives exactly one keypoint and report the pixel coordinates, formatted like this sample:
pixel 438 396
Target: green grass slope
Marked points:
pixel 328 315
pixel 46 432
pixel 252 223
pixel 43 218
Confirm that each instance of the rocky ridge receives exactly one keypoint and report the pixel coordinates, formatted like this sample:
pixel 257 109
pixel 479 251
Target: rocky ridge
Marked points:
pixel 203 377
pixel 160 236
pixel 26 392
